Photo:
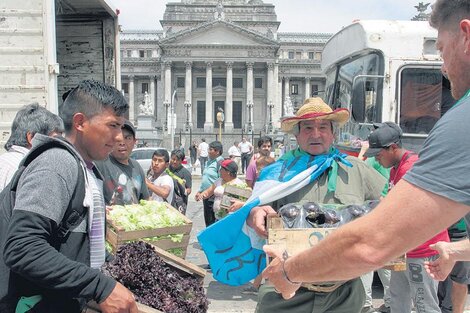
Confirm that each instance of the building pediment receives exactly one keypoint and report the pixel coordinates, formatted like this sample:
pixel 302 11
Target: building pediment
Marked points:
pixel 218 33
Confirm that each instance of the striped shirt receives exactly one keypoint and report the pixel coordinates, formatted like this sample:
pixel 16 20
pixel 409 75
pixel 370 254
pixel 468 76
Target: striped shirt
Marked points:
pixel 97 236
pixel 9 162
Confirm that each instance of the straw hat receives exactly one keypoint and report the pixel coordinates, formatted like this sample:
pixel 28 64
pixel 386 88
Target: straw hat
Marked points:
pixel 315 109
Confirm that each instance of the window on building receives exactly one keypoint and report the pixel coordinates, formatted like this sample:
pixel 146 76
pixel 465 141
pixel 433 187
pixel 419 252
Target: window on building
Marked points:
pixel 258 82
pixel 311 55
pixel 314 91
pixel 219 81
pixel 237 114
pixel 237 82
pixel 298 55
pixel 180 82
pixel 129 53
pixel 318 56
pixel 149 53
pixel 294 89
pixel 291 55
pixel 141 53
pixel 125 87
pixel 201 114
pixel 200 82
pixel 145 87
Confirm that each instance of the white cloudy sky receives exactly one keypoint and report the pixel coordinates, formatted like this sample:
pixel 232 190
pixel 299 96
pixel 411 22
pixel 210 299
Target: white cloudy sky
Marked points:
pixel 295 15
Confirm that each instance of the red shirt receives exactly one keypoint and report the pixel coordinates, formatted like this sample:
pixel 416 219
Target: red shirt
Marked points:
pixel 396 173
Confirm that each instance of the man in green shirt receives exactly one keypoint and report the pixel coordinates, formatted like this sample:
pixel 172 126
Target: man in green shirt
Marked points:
pixel 313 127
pixel 209 176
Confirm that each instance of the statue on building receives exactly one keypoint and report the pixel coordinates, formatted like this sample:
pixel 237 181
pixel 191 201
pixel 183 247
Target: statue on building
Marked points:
pixel 288 107
pixel 421 16
pixel 146 108
pixel 219 11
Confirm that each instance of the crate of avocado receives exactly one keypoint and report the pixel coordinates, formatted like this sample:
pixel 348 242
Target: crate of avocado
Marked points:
pixel 298 226
pixel 155 222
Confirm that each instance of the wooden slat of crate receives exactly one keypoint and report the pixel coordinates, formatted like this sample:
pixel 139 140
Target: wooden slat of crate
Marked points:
pixel 181 264
pixel 116 236
pixel 237 191
pixel 293 240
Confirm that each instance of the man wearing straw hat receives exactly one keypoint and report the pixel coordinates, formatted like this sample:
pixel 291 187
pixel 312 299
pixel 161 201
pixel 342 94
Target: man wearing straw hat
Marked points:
pixel 313 126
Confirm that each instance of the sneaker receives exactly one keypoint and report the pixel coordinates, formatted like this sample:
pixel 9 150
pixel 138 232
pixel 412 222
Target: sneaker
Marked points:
pixel 250 290
pixel 368 309
pixel 383 309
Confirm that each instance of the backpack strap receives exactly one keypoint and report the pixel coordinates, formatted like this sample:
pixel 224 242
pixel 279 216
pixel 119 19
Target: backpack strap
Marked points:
pixel 75 212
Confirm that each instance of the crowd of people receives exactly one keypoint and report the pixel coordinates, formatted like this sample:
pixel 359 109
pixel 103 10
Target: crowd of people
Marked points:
pixel 50 265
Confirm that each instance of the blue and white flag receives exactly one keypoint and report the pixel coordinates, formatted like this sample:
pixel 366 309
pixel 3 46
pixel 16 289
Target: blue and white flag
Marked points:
pixel 234 251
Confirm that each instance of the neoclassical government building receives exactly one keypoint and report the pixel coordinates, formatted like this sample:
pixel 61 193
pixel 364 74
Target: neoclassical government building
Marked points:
pixel 220 56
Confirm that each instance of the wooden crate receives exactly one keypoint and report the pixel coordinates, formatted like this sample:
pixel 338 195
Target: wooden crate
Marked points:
pixel 233 192
pixel 293 240
pixel 181 266
pixel 297 240
pixel 116 236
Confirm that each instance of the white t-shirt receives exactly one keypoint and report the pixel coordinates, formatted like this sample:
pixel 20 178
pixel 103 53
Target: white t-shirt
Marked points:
pixel 233 150
pixel 245 147
pixel 163 180
pixel 203 149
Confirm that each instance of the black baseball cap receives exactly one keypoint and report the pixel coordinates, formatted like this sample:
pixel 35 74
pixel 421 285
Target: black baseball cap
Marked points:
pixel 382 137
pixel 128 125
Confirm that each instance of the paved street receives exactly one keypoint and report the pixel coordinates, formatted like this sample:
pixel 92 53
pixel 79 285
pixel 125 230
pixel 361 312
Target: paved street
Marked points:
pixel 224 298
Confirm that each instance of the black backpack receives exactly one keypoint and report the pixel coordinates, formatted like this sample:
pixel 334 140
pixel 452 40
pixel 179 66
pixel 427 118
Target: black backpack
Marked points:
pixel 180 199
pixel 74 215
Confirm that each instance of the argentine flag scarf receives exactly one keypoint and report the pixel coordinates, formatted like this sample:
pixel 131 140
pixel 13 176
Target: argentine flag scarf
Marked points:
pixel 234 251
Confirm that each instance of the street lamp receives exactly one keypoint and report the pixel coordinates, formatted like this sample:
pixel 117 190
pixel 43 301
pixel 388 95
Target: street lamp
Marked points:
pixel 220 119
pixel 250 107
pixel 167 105
pixel 187 105
pixel 270 124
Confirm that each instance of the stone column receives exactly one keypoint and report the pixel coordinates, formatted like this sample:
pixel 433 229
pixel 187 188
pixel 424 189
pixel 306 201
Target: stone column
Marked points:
pixel 167 92
pixel 229 98
pixel 286 89
pixel 249 91
pixel 208 124
pixel 270 87
pixel 132 108
pixel 167 81
pixel 188 90
pixel 277 110
pixel 270 82
pixel 153 93
pixel 307 87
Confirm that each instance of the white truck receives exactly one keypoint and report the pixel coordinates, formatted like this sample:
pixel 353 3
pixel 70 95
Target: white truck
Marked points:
pixel 386 71
pixel 48 46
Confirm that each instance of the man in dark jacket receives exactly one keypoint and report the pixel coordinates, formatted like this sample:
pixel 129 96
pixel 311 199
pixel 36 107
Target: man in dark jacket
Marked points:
pixel 64 274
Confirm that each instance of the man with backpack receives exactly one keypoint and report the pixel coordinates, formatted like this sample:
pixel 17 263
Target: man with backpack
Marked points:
pixel 46 264
pixel 159 183
pixel 181 176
